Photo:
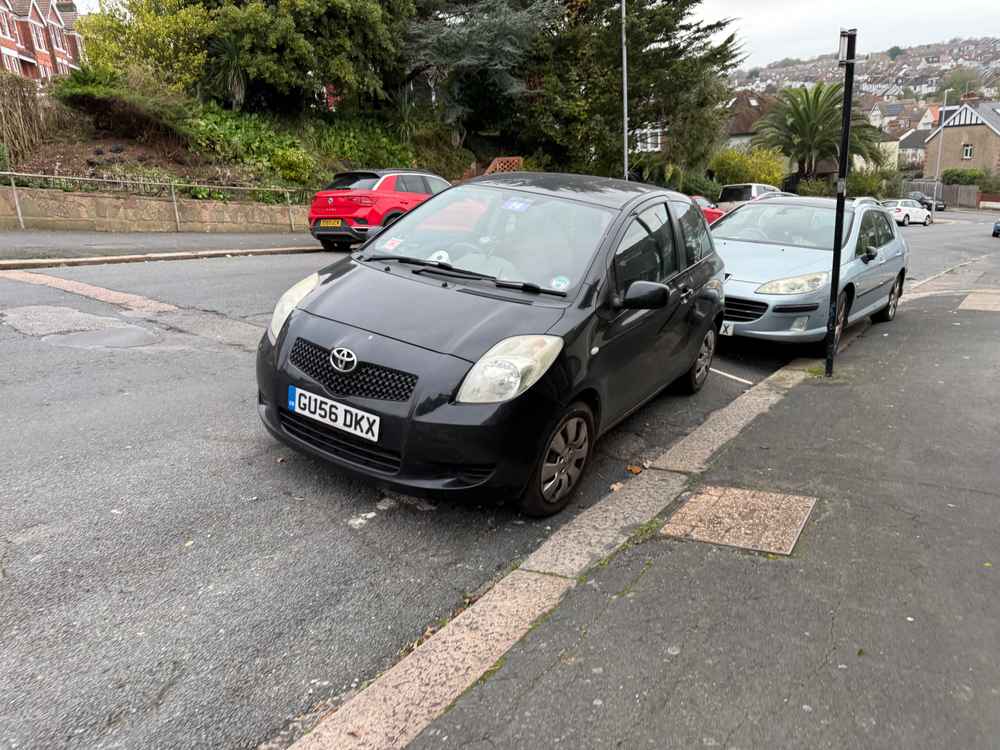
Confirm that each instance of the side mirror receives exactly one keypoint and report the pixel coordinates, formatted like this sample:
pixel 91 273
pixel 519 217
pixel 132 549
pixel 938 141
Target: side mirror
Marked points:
pixel 870 254
pixel 645 295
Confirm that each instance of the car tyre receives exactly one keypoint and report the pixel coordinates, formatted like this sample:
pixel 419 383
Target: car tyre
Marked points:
pixel 887 313
pixel 927 220
pixel 838 329
pixel 336 246
pixel 561 464
pixel 390 218
pixel 693 380
pixel 906 220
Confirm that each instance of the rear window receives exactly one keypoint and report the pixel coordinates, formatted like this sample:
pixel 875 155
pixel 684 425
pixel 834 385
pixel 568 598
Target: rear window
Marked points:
pixel 733 193
pixel 353 181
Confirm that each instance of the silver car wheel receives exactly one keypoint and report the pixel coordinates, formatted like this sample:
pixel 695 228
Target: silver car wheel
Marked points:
pixel 564 459
pixel 841 319
pixel 894 300
pixel 705 354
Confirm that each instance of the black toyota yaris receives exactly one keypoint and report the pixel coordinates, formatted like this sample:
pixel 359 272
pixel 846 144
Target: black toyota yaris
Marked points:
pixel 482 343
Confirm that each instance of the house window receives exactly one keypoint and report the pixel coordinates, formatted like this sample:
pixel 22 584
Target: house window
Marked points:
pixel 5 26
pixel 648 140
pixel 967 150
pixel 12 64
pixel 39 38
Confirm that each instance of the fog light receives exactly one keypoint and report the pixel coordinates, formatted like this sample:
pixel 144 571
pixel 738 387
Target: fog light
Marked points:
pixel 800 323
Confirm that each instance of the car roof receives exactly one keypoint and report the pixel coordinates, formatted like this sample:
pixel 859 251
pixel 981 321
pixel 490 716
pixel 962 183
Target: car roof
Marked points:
pixel 384 172
pixel 603 191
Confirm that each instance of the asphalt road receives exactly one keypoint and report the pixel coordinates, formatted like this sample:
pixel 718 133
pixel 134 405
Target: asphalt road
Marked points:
pixel 171 577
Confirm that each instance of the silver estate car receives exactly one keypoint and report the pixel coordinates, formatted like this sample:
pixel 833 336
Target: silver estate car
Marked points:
pixel 778 255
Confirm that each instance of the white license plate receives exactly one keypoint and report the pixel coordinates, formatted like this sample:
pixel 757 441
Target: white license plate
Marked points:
pixel 727 328
pixel 341 416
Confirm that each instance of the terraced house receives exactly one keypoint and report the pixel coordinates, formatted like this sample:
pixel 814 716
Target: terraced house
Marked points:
pixel 38 38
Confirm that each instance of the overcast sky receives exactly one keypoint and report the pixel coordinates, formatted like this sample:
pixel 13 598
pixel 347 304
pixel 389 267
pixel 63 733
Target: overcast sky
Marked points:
pixel 773 29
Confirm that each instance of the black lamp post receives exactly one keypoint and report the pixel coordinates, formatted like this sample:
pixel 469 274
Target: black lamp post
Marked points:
pixel 846 59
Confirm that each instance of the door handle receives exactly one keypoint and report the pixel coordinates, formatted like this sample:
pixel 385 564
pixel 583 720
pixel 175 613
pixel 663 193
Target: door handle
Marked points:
pixel 686 293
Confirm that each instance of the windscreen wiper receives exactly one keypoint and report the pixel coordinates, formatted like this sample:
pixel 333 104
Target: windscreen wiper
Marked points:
pixel 528 286
pixel 430 265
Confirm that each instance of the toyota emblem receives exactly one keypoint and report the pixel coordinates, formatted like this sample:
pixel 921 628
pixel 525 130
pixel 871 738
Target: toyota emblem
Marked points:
pixel 343 359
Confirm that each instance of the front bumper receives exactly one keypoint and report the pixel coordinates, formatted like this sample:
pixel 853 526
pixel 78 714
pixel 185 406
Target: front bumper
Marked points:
pixel 798 318
pixel 428 445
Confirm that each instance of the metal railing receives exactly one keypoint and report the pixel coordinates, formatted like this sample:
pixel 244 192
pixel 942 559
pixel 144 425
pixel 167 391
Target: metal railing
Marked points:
pixel 154 188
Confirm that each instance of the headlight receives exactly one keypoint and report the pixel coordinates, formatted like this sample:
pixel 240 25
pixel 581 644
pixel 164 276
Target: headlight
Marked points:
pixel 509 369
pixel 810 282
pixel 288 301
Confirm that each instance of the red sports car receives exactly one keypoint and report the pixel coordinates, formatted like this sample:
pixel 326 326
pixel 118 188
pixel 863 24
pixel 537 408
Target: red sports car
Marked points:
pixel 347 209
pixel 708 209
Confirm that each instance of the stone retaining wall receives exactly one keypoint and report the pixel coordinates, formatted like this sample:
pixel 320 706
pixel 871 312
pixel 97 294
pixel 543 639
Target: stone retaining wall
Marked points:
pixel 104 212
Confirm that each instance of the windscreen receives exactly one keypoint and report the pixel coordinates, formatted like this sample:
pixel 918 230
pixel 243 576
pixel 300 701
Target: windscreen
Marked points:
pixel 782 224
pixel 735 193
pixel 510 234
pixel 353 181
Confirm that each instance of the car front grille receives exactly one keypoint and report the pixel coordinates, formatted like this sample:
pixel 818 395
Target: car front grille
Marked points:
pixel 366 381
pixel 338 443
pixel 743 310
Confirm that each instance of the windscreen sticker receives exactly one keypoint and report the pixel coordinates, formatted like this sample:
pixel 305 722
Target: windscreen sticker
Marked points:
pixel 517 205
pixel 392 243
pixel 560 283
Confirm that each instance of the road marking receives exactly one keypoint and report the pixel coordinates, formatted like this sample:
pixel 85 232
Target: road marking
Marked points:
pixel 132 302
pixel 100 260
pixel 731 377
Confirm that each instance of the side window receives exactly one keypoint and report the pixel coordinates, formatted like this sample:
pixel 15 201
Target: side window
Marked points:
pixel 867 234
pixel 886 235
pixel 410 183
pixel 437 185
pixel 697 240
pixel 646 252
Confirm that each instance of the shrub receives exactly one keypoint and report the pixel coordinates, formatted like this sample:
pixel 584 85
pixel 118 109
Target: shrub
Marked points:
pixel 360 143
pixel 293 164
pixel 4 158
pixel 861 183
pixel 697 184
pixel 816 188
pixel 963 177
pixel 732 165
pixel 133 105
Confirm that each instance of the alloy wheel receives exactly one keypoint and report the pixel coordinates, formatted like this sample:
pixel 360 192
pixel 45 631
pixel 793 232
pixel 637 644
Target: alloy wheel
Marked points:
pixel 705 354
pixel 841 318
pixel 565 458
pixel 894 299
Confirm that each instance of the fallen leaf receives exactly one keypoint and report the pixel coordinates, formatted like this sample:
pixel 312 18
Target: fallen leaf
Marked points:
pixel 633 469
pixel 987 565
pixel 616 486
pixel 281 460
pixel 189 542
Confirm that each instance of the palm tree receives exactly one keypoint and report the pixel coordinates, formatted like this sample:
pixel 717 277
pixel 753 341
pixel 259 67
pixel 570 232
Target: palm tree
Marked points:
pixel 229 74
pixel 804 125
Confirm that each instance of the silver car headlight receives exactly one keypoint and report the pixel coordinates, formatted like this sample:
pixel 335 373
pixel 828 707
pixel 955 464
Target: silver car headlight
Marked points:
pixel 288 302
pixel 509 369
pixel 809 282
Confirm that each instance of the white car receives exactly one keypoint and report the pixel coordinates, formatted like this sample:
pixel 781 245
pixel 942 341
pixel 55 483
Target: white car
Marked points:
pixel 906 211
pixel 736 195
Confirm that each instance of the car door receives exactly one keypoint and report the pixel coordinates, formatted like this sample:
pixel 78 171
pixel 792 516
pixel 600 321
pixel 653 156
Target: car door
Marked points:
pixel 890 252
pixel 411 190
pixel 633 345
pixel 865 274
pixel 695 250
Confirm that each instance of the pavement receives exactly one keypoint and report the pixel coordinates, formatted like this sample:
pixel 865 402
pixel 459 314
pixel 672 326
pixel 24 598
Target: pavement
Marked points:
pixel 31 243
pixel 878 631
pixel 171 577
